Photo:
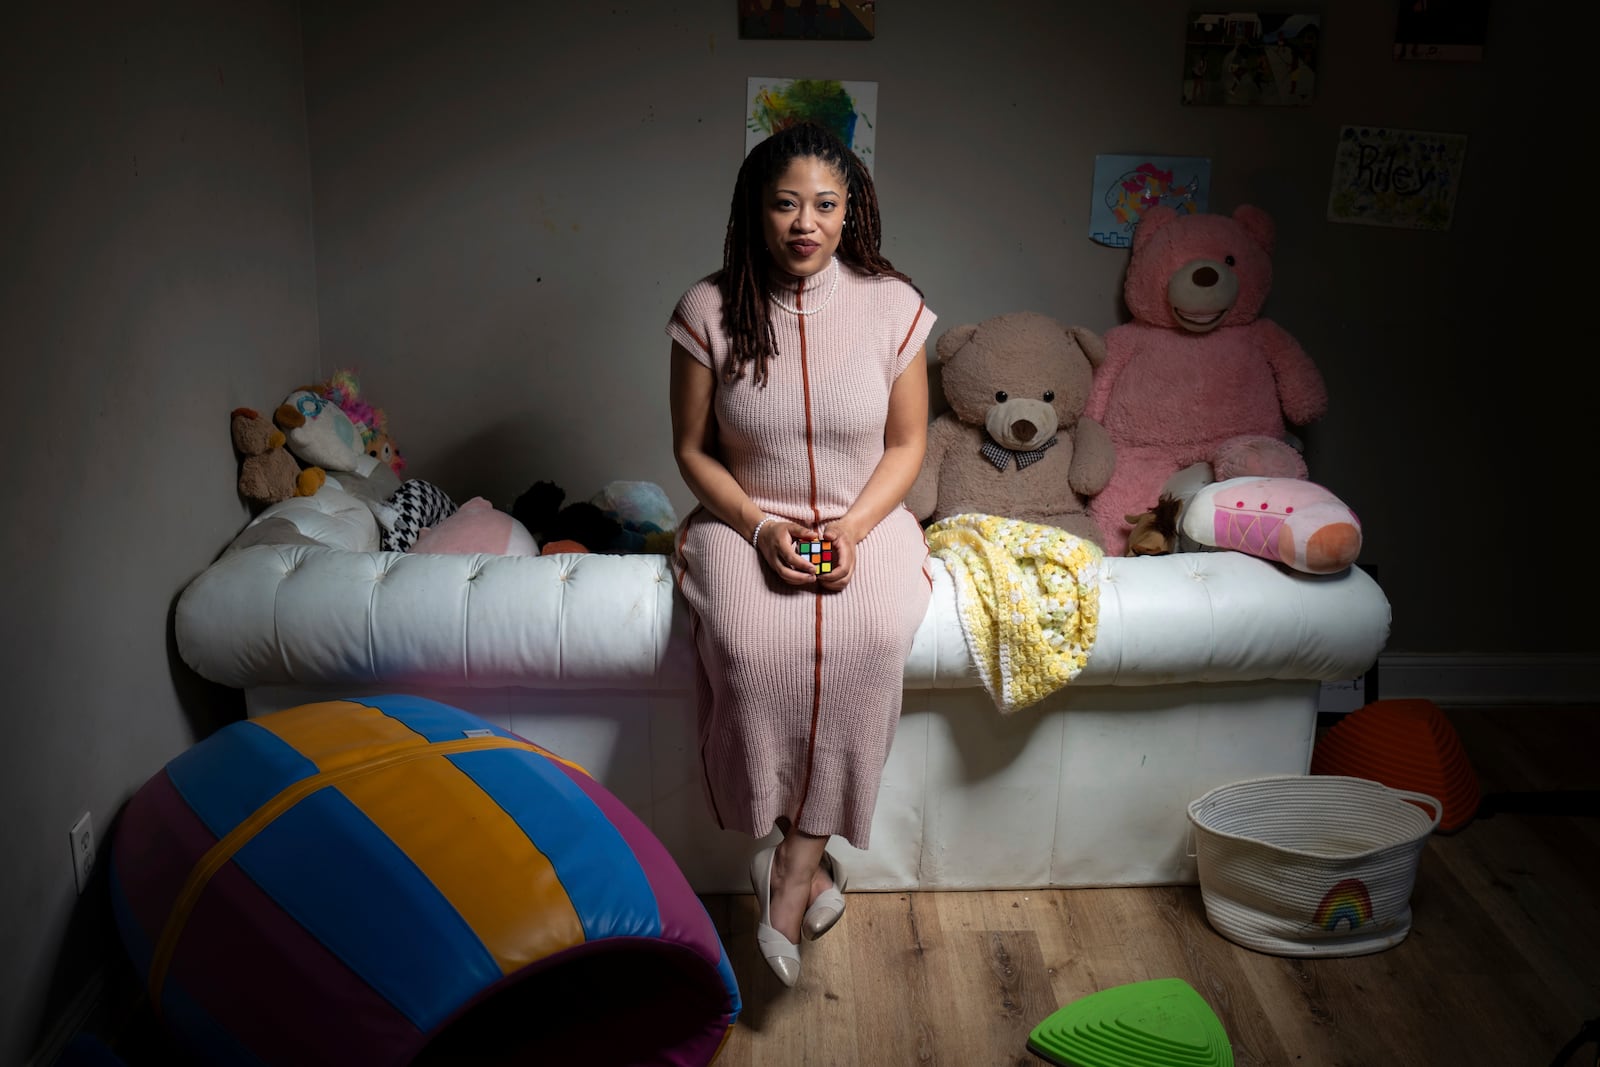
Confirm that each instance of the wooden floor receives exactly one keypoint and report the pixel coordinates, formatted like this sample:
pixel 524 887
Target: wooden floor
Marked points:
pixel 1501 969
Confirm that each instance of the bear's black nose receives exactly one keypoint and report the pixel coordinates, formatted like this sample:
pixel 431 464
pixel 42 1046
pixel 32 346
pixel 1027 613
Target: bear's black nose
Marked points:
pixel 1023 430
pixel 1205 276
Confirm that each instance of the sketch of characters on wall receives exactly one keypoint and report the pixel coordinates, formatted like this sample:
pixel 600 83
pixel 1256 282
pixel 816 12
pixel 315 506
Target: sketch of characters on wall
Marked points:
pixel 1144 187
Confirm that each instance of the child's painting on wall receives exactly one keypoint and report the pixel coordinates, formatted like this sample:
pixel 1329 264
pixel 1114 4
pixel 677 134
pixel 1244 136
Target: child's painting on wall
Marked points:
pixel 1403 178
pixel 1125 187
pixel 1246 57
pixel 849 109
pixel 822 20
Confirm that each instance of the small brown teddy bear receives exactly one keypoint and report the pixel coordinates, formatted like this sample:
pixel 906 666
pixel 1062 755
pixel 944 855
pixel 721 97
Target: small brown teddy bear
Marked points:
pixel 1015 442
pixel 268 473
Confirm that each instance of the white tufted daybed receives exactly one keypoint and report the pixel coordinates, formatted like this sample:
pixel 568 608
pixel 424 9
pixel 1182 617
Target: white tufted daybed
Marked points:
pixel 1206 670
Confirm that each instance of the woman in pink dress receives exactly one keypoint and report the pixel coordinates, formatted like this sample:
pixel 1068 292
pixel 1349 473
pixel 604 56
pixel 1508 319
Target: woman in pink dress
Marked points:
pixel 799 413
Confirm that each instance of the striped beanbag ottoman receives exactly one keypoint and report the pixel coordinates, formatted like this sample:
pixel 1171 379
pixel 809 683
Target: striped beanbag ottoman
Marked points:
pixel 391 881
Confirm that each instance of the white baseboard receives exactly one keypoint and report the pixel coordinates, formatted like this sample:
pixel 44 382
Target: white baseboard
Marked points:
pixel 1480 679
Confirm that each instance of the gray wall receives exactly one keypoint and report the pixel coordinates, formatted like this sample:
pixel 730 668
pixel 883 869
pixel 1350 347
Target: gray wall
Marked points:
pixel 509 202
pixel 155 213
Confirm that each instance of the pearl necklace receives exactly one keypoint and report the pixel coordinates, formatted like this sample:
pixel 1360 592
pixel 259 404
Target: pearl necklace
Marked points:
pixel 820 305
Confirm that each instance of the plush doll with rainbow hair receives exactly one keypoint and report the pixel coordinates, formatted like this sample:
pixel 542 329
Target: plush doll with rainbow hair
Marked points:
pixel 344 389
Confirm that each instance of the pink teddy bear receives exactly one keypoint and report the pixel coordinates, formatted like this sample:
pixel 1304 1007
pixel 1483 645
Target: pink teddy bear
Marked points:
pixel 1199 378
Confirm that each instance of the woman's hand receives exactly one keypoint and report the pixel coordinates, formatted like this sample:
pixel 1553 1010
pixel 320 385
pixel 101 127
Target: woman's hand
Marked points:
pixel 843 535
pixel 775 542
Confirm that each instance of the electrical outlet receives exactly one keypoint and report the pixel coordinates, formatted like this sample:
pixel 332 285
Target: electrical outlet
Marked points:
pixel 82 837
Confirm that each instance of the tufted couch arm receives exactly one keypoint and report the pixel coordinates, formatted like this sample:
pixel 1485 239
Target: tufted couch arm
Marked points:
pixel 314 615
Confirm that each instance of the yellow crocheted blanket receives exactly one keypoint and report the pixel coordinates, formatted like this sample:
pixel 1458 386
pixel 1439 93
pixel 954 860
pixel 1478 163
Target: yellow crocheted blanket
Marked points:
pixel 1029 601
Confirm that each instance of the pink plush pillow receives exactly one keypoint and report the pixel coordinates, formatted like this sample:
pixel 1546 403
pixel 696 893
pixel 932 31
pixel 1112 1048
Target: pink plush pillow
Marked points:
pixel 476 527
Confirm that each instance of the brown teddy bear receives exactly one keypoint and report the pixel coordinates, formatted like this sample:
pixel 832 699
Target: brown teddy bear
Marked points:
pixel 1015 442
pixel 268 473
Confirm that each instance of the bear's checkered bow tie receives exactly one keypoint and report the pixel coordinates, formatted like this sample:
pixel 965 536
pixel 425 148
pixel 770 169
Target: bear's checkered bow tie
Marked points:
pixel 1000 455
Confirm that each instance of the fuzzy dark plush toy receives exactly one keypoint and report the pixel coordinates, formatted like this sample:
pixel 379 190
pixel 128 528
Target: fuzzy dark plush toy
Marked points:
pixel 1155 532
pixel 579 527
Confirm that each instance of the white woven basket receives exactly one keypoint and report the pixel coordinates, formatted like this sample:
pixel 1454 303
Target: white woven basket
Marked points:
pixel 1310 865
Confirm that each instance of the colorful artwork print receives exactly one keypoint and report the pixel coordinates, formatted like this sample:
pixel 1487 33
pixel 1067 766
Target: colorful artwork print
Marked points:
pixel 1402 178
pixel 821 20
pixel 1347 902
pixel 1245 57
pixel 1125 187
pixel 849 109
pixel 1441 29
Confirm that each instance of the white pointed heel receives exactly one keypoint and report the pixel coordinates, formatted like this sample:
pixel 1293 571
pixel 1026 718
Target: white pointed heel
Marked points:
pixel 781 954
pixel 828 908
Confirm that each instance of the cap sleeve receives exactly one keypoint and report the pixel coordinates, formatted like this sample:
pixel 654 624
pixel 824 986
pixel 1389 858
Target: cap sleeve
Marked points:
pixel 693 321
pixel 919 321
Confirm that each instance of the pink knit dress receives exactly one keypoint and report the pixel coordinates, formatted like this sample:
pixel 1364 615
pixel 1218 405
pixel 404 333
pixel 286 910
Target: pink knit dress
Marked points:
pixel 799 688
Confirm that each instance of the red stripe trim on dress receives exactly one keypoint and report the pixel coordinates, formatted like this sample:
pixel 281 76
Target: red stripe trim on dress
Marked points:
pixel 914 320
pixel 805 386
pixel 816 714
pixel 816 519
pixel 678 318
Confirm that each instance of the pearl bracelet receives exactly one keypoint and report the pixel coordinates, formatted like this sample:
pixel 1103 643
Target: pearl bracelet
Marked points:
pixel 755 535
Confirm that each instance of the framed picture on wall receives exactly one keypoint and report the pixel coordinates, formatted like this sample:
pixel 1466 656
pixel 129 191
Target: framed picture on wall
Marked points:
pixel 1402 178
pixel 1125 187
pixel 1251 58
pixel 798 20
pixel 1441 29
pixel 849 109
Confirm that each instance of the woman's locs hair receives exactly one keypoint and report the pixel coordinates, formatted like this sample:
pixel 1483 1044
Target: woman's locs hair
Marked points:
pixel 745 261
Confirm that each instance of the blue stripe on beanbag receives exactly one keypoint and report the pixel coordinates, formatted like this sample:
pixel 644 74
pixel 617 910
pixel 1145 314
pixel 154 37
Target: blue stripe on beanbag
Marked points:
pixel 346 882
pixel 429 718
pixel 235 771
pixel 600 873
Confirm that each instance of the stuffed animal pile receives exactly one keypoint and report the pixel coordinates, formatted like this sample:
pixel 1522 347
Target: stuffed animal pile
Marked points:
pixel 1200 389
pixel 1173 434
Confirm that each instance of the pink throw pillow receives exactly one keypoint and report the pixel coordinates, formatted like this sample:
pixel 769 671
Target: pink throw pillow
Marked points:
pixel 476 527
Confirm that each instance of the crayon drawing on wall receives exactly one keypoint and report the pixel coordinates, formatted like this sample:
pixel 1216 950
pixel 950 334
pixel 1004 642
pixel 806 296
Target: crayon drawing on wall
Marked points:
pixel 849 109
pixel 1246 57
pixel 1125 187
pixel 1403 178
pixel 821 20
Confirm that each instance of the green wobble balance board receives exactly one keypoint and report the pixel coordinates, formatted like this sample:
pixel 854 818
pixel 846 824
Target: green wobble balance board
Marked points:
pixel 1159 1023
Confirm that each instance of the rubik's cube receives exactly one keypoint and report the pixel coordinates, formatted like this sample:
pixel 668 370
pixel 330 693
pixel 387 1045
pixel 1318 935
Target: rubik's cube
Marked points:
pixel 820 553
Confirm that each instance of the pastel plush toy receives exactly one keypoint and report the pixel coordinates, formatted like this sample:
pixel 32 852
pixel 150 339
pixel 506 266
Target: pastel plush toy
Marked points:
pixel 476 527
pixel 267 472
pixel 1015 442
pixel 1198 376
pixel 343 387
pixel 1287 520
pixel 321 434
pixel 644 514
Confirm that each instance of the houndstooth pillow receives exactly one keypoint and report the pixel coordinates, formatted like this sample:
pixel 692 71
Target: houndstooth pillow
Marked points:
pixel 414 505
